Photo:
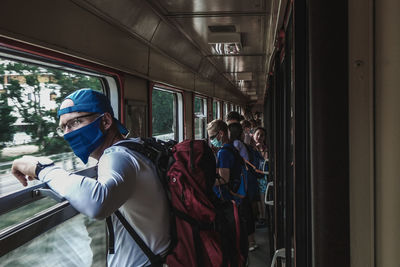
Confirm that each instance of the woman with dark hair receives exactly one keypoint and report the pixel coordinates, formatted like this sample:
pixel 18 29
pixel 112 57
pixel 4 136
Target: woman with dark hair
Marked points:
pixel 261 147
pixel 248 154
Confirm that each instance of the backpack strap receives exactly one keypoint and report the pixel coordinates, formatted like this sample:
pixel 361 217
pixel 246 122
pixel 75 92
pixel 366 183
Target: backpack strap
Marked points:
pixel 155 260
pixel 247 163
pixel 158 153
pixel 110 228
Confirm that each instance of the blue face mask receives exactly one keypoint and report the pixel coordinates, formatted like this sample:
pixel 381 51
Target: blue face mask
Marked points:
pixel 85 140
pixel 215 142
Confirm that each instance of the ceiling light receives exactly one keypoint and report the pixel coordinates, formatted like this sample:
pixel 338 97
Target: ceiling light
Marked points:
pixel 225 43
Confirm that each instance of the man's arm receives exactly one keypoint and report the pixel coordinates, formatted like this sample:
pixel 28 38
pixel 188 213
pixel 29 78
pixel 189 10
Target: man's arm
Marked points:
pixel 95 198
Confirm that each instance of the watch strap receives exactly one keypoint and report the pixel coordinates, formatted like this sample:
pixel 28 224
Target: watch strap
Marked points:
pixel 40 167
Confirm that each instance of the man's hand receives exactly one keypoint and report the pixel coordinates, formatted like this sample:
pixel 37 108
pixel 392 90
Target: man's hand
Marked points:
pixel 24 169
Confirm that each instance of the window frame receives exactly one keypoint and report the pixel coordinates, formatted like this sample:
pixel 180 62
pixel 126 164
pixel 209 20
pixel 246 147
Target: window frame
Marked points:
pixel 179 112
pixel 204 115
pixel 19 234
pixel 218 112
pixel 225 109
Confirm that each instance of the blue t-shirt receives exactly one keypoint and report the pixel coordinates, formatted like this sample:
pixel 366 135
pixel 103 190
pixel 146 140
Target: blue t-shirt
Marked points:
pixel 226 159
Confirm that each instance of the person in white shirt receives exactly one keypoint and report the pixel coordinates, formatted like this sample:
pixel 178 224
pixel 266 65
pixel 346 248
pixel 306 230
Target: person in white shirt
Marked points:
pixel 127 181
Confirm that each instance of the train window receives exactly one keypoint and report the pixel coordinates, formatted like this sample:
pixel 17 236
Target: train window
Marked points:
pixel 15 216
pixel 79 241
pixel 216 109
pixel 200 117
pixel 29 97
pixel 167 114
pixel 226 109
pixel 30 93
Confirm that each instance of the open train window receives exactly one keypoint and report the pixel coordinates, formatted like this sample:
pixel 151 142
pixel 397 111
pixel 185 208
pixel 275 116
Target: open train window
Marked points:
pixel 33 221
pixel 200 117
pixel 167 114
pixel 216 109
pixel 29 98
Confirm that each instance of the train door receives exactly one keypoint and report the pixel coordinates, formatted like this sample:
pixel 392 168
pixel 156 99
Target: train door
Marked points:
pixel 287 114
pixel 283 179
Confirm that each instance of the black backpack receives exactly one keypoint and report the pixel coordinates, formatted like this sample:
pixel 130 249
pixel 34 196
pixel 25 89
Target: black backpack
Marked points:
pixel 234 180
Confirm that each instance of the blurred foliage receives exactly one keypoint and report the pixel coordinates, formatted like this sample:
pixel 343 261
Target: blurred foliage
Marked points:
pixel 53 145
pixel 7 119
pixel 163 105
pixel 22 97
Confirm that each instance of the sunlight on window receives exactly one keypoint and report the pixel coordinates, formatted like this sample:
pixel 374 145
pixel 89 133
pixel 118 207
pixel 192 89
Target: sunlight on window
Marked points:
pixel 29 98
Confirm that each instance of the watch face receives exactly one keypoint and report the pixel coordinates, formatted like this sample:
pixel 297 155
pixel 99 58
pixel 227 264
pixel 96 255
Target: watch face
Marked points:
pixel 45 161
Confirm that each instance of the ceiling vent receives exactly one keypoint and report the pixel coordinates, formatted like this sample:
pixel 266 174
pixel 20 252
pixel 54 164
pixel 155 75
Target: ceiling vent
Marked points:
pixel 225 43
pixel 222 28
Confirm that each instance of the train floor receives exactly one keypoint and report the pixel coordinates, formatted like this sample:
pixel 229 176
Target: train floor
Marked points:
pixel 260 257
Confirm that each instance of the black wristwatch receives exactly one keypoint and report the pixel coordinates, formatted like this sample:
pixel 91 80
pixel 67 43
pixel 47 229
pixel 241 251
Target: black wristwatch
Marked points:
pixel 43 163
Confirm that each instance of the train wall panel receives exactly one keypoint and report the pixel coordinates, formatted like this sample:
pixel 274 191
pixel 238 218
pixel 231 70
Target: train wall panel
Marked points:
pixel 171 73
pixel 206 69
pixel 72 28
pixel 135 16
pixel 170 41
pixel 65 27
pixel 135 89
pixel 387 132
pixel 361 134
pixel 203 86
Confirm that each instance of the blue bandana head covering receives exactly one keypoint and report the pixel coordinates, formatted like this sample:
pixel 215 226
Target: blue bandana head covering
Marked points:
pixel 88 100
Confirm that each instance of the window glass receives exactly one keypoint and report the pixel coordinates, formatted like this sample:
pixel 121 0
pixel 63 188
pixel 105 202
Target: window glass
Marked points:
pixel 167 115
pixel 29 97
pixel 200 117
pixel 18 215
pixel 80 241
pixel 216 110
pixel 226 110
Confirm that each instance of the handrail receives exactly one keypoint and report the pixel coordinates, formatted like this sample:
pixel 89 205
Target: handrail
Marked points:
pixel 266 201
pixel 20 198
pixel 33 193
pixel 23 232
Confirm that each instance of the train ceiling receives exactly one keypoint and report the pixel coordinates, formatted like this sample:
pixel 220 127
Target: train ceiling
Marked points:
pixel 229 42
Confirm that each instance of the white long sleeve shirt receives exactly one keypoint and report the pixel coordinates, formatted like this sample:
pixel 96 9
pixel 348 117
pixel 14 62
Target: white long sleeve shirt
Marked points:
pixel 126 181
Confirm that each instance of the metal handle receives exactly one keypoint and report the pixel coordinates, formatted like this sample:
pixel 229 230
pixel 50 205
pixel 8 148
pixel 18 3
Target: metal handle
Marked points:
pixel 270 202
pixel 280 253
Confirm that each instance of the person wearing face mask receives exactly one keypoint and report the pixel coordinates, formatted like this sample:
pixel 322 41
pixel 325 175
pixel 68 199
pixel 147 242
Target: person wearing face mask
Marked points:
pixel 229 184
pixel 127 181
pixel 259 140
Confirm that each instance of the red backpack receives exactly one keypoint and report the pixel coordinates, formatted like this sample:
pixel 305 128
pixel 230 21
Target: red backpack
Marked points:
pixel 205 231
